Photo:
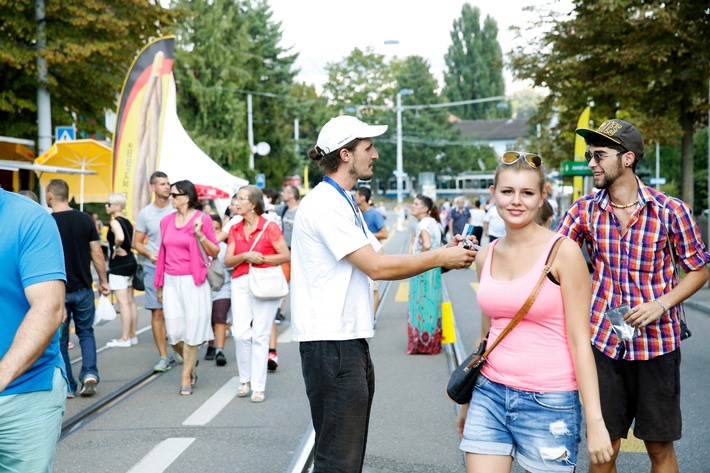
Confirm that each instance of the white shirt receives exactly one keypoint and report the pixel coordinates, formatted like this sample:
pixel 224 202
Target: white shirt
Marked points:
pixel 477 217
pixel 330 298
pixel 496 225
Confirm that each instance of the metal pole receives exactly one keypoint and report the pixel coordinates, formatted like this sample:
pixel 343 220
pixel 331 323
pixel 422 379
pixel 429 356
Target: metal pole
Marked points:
pixel 400 171
pixel 250 133
pixel 295 137
pixel 44 109
pixel 658 165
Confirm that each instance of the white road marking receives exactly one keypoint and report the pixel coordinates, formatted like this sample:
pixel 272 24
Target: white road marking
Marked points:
pixel 214 405
pixel 162 456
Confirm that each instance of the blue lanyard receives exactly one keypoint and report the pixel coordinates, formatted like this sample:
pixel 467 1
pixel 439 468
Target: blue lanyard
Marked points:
pixel 350 200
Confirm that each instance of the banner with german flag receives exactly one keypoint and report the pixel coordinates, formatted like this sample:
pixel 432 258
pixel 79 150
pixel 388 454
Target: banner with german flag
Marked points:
pixel 139 123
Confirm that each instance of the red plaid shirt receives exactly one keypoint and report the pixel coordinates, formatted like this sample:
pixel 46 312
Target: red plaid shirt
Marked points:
pixel 636 266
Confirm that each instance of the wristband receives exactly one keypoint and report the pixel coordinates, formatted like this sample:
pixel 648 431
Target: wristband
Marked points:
pixel 661 304
pixel 203 238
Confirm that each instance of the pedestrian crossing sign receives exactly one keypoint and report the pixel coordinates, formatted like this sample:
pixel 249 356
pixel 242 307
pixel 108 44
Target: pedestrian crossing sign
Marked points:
pixel 65 133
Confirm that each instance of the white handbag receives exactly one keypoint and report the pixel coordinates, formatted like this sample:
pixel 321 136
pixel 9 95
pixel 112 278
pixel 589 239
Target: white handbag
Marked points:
pixel 266 283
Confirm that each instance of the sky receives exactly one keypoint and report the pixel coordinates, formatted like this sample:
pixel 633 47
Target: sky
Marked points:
pixel 325 31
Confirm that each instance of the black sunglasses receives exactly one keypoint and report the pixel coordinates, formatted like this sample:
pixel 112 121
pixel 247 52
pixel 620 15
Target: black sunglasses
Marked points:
pixel 511 157
pixel 598 156
pixel 174 194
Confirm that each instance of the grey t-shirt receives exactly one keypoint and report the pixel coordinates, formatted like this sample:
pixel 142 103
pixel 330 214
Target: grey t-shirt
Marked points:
pixel 287 217
pixel 149 223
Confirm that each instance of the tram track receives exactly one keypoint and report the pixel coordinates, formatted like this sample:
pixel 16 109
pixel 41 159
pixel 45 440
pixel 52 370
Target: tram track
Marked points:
pixel 78 420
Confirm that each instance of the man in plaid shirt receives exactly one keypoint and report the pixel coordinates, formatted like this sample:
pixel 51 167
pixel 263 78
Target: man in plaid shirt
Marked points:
pixel 634 235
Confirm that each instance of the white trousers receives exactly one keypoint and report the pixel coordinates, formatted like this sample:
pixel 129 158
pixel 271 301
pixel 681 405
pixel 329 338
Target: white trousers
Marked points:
pixel 188 310
pixel 252 328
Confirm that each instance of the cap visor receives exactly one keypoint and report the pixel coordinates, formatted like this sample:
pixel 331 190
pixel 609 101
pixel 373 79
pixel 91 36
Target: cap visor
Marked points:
pixel 373 130
pixel 586 132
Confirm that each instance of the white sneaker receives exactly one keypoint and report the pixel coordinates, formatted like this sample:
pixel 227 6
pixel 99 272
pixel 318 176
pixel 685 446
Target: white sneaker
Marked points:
pixel 119 344
pixel 134 341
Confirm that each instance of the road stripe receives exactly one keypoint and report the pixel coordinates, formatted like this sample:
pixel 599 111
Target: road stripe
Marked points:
pixel 162 456
pixel 632 444
pixel 214 405
pixel 402 292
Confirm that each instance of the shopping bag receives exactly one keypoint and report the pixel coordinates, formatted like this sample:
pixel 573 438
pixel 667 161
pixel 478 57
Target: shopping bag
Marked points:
pixel 104 311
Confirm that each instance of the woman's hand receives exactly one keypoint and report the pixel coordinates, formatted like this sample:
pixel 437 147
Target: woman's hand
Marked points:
pixel 254 257
pixel 197 226
pixel 598 443
pixel 461 420
pixel 159 293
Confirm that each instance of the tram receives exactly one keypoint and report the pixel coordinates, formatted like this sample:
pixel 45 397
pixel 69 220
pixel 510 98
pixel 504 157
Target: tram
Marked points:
pixel 473 185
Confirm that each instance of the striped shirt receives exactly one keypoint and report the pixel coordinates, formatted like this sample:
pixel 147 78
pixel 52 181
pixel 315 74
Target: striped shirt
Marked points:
pixel 635 266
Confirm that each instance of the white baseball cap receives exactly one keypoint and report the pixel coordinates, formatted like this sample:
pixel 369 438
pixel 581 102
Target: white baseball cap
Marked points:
pixel 341 130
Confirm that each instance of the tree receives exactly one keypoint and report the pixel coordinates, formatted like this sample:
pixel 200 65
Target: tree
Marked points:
pixel 639 60
pixel 90 46
pixel 228 50
pixel 474 64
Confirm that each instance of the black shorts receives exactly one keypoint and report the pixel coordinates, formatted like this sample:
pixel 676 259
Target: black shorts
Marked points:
pixel 647 392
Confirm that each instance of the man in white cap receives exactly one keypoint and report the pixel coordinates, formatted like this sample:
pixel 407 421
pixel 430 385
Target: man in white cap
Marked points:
pixel 334 258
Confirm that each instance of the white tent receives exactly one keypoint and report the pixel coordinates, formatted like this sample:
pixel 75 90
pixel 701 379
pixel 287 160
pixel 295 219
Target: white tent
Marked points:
pixel 181 158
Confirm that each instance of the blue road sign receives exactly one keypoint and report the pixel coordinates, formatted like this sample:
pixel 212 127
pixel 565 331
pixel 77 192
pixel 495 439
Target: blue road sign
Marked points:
pixel 64 133
pixel 260 181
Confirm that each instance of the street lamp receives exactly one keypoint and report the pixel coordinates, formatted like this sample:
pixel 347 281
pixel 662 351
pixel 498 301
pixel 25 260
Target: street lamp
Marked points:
pixel 400 171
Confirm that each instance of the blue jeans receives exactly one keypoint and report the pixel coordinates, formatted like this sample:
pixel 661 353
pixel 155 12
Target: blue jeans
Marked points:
pixel 340 384
pixel 80 307
pixel 541 430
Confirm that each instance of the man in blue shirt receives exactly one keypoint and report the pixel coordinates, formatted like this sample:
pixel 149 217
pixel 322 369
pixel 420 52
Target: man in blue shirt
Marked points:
pixel 374 219
pixel 375 223
pixel 33 387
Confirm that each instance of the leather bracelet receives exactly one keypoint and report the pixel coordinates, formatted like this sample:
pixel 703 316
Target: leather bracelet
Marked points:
pixel 661 304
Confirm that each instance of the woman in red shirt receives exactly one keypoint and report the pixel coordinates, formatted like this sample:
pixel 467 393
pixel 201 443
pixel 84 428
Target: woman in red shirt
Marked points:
pixel 253 317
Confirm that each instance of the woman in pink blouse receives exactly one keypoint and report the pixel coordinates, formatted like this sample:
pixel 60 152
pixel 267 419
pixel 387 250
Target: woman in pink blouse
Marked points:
pixel 252 317
pixel 181 278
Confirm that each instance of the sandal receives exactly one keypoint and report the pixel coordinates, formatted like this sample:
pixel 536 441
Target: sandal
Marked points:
pixel 193 378
pixel 244 389
pixel 185 390
pixel 257 396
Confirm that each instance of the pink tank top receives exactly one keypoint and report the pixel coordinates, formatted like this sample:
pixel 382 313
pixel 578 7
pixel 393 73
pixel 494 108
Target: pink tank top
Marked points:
pixel 534 356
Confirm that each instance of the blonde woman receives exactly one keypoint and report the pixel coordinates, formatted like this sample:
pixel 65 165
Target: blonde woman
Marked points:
pixel 121 268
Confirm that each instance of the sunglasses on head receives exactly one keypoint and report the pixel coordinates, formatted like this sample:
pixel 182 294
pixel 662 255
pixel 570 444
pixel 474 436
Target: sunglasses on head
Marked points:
pixel 511 157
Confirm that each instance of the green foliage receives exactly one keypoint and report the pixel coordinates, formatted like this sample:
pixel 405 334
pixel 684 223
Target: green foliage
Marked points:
pixel 227 50
pixel 644 61
pixel 90 45
pixel 474 64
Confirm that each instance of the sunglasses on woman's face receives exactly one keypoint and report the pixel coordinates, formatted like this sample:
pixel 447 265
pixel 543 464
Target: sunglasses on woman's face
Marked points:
pixel 176 194
pixel 511 157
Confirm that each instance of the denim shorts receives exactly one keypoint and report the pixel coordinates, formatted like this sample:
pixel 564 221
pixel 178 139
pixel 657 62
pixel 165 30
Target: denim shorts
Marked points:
pixel 540 430
pixel 151 295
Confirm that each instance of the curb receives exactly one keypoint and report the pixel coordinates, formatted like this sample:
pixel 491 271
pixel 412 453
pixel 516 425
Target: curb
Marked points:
pixel 699 306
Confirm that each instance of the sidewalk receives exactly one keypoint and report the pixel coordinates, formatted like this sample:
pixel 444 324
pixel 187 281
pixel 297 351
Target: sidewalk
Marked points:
pixel 700 300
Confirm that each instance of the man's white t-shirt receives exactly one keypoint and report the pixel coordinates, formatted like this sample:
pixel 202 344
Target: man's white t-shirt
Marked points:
pixel 496 225
pixel 330 298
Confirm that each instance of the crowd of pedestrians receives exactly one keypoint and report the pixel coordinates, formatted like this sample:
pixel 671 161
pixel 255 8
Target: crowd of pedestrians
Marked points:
pixel 328 245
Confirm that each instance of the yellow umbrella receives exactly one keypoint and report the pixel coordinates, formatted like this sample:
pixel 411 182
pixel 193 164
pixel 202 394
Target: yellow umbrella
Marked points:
pixel 85 155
